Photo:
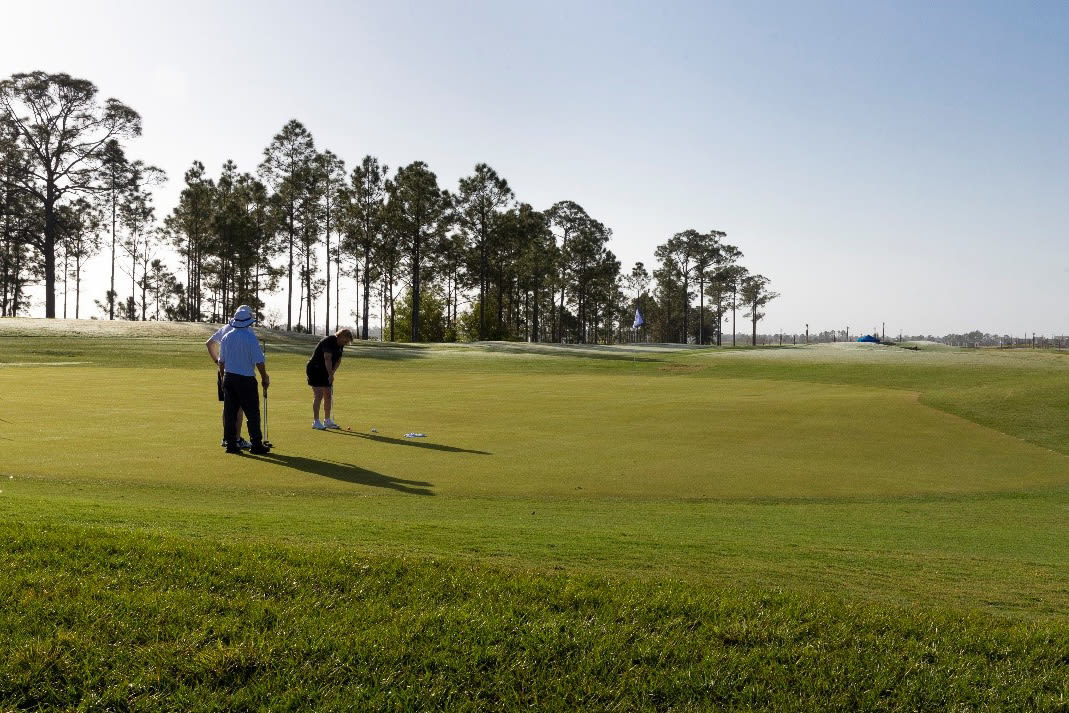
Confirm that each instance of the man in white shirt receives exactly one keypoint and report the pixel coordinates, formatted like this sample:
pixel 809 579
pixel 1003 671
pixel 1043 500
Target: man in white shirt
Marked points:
pixel 239 356
pixel 213 351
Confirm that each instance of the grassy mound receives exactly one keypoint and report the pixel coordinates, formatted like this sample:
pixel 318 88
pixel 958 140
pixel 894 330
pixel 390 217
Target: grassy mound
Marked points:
pixel 640 528
pixel 106 621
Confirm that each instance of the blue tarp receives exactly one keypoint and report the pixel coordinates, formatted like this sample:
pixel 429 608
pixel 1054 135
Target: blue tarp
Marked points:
pixel 868 338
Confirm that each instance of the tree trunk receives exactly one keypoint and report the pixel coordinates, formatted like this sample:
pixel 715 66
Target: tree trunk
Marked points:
pixel 144 296
pixel 289 277
pixel 701 312
pixel 390 306
pixel 367 294
pixel 256 281
pixel 560 319
pixel 17 289
pixel 482 288
pixel 734 329
pixel 686 306
pixel 415 287
pixel 66 270
pixel 326 321
pixel 111 300
pixel 50 255
pixel 456 296
pixel 132 312
pixel 308 288
pixel 534 317
pixel 500 308
pixel 300 304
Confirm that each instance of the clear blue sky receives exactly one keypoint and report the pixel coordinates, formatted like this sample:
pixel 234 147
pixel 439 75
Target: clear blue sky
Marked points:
pixel 898 162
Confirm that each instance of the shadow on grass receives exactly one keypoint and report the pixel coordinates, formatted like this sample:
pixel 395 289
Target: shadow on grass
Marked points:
pixel 283 343
pixel 583 351
pixel 389 351
pixel 376 350
pixel 408 442
pixel 348 473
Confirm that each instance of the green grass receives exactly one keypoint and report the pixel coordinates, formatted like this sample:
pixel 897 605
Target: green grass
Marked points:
pixel 832 528
pixel 166 623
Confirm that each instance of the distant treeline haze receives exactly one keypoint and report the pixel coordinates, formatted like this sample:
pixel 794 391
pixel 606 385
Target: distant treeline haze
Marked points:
pixel 434 264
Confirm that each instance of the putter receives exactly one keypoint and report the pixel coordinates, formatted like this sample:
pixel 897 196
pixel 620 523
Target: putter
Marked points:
pixel 267 427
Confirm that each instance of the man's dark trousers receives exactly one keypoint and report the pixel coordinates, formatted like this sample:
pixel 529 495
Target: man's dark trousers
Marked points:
pixel 241 392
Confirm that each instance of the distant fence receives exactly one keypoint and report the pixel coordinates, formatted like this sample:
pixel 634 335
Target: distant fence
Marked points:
pixel 968 341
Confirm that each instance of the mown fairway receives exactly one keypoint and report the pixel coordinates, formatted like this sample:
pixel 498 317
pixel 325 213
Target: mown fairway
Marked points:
pixel 782 529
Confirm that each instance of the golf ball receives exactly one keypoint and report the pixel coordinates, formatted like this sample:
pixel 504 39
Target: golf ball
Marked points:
pixel 348 428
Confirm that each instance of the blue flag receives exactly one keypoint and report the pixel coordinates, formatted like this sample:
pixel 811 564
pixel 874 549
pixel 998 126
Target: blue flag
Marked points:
pixel 638 320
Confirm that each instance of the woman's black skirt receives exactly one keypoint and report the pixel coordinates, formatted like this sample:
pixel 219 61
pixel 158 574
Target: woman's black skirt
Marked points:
pixel 317 376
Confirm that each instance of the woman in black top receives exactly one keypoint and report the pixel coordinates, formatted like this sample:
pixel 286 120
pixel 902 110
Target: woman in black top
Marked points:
pixel 320 370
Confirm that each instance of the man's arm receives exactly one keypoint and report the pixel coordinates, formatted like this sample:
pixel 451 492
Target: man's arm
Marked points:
pixel 220 358
pixel 213 349
pixel 264 378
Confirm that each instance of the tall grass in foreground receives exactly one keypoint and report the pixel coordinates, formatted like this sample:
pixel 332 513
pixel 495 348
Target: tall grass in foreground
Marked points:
pixel 95 619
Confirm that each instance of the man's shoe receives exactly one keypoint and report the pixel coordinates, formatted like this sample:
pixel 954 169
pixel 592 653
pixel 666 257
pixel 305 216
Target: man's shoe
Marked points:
pixel 242 443
pixel 319 426
pixel 259 449
pixel 233 449
pixel 330 424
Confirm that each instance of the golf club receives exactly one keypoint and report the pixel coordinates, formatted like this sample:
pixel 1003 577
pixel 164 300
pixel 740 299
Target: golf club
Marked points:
pixel 267 428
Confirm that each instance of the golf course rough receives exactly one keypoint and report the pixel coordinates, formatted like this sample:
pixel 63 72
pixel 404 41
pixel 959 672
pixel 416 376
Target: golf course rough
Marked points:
pixel 581 527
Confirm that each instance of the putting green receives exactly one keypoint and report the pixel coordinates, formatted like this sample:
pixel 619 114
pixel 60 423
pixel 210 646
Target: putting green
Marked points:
pixel 506 434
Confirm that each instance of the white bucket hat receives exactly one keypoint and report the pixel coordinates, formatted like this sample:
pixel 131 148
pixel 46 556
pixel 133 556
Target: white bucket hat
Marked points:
pixel 243 318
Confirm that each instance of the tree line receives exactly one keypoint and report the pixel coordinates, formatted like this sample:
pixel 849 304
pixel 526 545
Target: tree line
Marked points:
pixel 472 262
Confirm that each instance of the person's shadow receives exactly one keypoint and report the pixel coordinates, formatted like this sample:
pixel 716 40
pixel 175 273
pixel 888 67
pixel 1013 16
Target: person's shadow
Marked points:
pixel 348 473
pixel 408 442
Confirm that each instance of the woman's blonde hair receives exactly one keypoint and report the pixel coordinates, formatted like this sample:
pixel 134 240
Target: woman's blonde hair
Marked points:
pixel 347 333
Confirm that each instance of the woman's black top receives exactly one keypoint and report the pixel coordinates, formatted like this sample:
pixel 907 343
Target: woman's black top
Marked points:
pixel 327 345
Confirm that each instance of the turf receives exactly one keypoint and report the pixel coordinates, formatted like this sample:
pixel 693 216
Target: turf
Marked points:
pixel 907 505
pixel 516 434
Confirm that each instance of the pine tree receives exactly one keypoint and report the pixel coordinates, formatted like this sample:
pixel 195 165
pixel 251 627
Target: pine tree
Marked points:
pixel 418 214
pixel 364 216
pixel 480 198
pixel 63 131
pixel 285 170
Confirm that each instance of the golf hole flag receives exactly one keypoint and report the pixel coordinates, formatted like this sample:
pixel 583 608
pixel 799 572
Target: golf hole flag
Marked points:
pixel 638 320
